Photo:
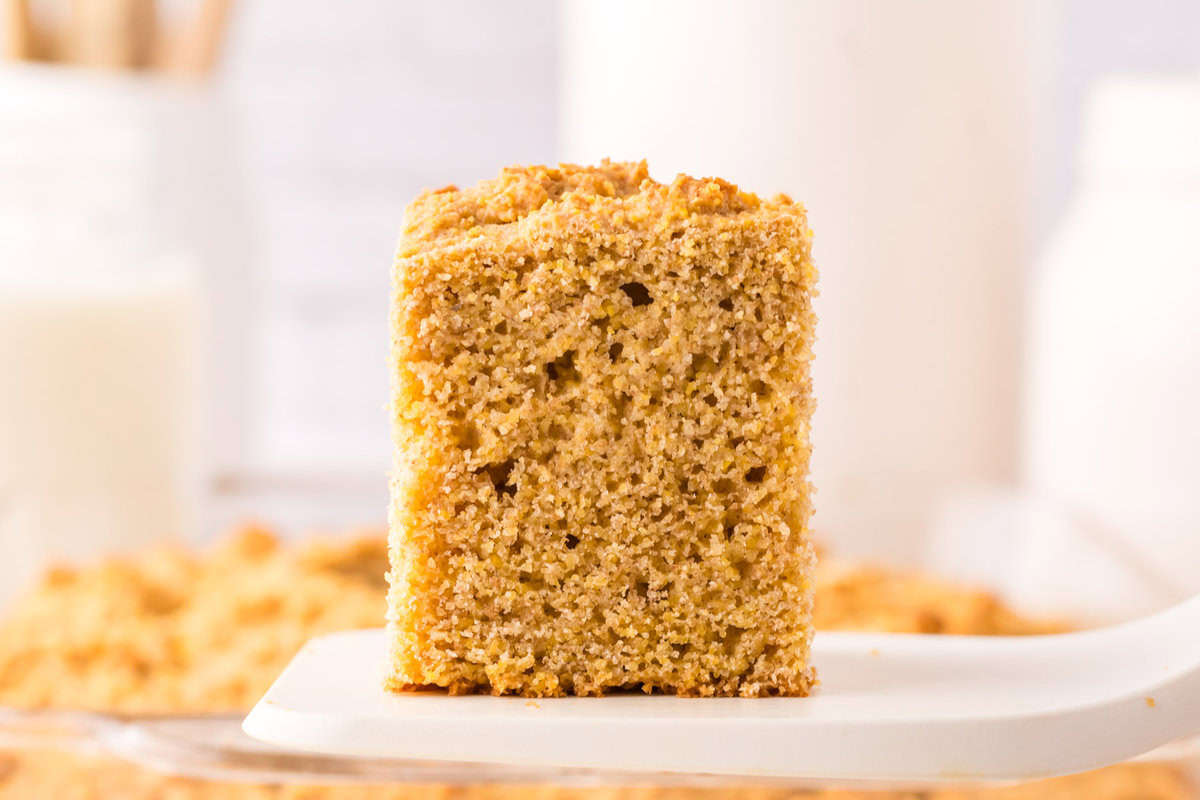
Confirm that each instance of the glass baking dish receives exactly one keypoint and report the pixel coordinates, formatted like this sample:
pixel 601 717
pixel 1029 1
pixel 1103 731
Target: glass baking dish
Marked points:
pixel 130 678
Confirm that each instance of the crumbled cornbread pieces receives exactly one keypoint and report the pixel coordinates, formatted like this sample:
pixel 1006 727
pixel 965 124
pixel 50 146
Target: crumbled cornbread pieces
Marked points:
pixel 601 413
pixel 177 631
pixel 860 597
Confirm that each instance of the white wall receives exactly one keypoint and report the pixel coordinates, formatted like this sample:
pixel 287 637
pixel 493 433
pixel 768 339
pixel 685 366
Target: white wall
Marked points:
pixel 1093 38
pixel 349 108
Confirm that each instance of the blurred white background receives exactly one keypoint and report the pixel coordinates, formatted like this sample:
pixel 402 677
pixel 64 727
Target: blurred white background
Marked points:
pixel 348 111
pixel 333 115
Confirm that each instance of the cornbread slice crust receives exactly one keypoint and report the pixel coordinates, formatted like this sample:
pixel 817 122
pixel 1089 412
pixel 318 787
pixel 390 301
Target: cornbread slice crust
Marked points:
pixel 601 405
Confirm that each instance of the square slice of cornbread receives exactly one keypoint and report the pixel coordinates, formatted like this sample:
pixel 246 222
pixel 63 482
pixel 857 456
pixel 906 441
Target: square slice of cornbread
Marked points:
pixel 601 405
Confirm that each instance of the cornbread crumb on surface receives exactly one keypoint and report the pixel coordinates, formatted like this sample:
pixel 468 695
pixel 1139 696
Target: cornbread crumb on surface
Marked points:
pixel 601 416
pixel 177 631
pixel 861 597
pixel 99 637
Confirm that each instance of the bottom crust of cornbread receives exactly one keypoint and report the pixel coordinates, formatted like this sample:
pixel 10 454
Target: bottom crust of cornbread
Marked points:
pixel 785 671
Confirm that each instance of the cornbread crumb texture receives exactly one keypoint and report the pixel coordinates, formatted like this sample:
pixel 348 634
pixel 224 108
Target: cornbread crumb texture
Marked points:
pixel 102 637
pixel 601 406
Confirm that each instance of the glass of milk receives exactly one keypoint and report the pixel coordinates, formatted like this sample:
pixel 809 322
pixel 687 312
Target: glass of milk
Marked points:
pixel 99 450
pixel 1111 431
pixel 101 334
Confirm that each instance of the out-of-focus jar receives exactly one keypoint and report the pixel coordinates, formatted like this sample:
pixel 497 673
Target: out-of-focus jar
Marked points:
pixel 906 133
pixel 99 450
pixel 102 315
pixel 1112 429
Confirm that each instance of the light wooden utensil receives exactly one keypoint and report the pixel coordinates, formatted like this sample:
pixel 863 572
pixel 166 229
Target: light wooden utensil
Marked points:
pixel 18 30
pixel 193 50
pixel 110 34
pixel 120 35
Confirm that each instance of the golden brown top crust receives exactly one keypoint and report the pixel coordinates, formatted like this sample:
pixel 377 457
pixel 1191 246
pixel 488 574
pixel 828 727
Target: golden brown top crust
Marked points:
pixel 623 192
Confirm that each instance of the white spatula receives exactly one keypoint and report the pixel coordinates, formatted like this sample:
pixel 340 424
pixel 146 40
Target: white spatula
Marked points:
pixel 890 706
